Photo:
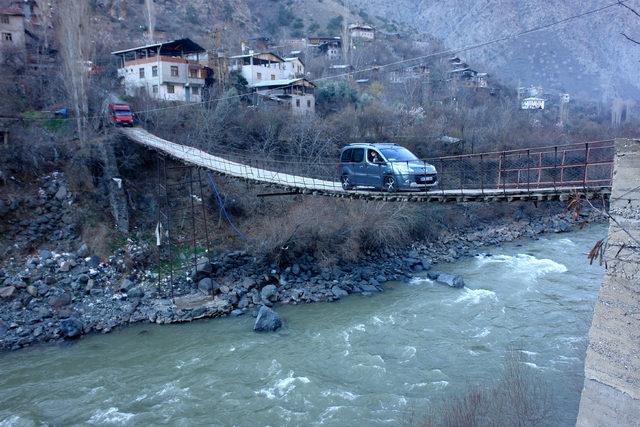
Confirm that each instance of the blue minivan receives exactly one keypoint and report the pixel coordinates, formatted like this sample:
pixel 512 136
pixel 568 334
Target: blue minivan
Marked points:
pixel 388 167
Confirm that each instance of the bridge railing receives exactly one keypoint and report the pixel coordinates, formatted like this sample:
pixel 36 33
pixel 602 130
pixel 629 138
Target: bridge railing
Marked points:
pixel 586 165
pixel 576 166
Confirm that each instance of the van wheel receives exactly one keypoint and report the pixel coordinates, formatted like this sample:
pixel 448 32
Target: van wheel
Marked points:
pixel 389 184
pixel 346 182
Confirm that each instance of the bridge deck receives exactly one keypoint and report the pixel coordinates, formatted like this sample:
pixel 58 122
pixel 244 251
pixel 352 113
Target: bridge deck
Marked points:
pixel 308 185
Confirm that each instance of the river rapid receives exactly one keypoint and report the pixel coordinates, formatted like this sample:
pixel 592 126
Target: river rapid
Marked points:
pixel 365 360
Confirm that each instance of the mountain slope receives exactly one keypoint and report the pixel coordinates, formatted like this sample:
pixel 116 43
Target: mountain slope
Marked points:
pixel 587 57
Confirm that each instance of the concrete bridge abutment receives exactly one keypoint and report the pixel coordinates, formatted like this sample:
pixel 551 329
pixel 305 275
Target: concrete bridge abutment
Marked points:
pixel 611 393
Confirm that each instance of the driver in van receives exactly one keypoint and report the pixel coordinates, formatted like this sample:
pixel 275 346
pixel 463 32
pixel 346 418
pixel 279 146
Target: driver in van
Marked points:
pixel 373 156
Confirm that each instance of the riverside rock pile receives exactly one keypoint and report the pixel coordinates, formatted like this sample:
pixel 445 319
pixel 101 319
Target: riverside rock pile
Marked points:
pixel 48 217
pixel 55 295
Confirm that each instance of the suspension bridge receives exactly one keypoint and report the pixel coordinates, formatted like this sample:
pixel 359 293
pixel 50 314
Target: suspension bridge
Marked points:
pixel 543 173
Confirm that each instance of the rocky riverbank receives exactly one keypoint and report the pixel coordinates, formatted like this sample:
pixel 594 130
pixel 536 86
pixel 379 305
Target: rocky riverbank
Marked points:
pixel 57 294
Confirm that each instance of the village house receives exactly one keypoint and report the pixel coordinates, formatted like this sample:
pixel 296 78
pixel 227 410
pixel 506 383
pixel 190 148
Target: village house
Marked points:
pixel 294 67
pixel 360 32
pixel 341 70
pixel 296 95
pixel 261 43
pixel 276 81
pixel 12 30
pixel 22 31
pixel 463 75
pixel 256 67
pixel 406 74
pixel 328 46
pixel 532 103
pixel 169 70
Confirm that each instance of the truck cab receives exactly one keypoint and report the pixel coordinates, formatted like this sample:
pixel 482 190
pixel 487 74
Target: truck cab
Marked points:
pixel 120 114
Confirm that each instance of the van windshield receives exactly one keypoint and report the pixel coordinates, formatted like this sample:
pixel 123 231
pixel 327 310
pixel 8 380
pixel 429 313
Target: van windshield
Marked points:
pixel 122 113
pixel 398 154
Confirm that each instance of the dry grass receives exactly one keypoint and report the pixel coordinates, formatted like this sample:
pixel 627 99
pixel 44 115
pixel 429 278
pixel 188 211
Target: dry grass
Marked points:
pixel 337 229
pixel 518 398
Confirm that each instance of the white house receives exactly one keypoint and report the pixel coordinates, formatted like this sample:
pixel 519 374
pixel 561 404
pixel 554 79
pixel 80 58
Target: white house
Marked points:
pixel 169 70
pixel 362 32
pixel 294 67
pixel 257 67
pixel 276 81
pixel 532 104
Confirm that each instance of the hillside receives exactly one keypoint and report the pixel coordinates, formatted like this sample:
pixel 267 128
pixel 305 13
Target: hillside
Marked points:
pixel 587 57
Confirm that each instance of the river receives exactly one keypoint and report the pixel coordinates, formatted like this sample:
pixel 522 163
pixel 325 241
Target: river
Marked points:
pixel 366 360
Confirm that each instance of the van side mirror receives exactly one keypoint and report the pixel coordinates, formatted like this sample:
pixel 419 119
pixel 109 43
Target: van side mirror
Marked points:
pixel 378 161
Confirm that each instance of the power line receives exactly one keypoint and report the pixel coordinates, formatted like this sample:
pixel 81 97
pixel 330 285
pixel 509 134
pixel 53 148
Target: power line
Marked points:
pixel 391 64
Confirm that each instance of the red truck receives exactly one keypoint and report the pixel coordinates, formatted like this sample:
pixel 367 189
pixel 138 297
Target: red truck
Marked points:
pixel 120 114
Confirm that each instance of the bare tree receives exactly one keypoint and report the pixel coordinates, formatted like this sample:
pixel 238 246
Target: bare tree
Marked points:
pixel 151 18
pixel 44 6
pixel 74 40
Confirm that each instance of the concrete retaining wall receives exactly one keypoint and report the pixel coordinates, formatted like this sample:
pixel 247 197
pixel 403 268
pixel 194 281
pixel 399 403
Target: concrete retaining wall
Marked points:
pixel 611 394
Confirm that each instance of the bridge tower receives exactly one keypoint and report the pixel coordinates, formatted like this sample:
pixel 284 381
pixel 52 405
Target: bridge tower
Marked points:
pixel 183 238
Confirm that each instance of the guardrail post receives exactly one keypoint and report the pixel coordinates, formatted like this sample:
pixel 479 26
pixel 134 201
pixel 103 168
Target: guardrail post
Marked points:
pixel 555 166
pixel 481 174
pixel 586 165
pixel 528 171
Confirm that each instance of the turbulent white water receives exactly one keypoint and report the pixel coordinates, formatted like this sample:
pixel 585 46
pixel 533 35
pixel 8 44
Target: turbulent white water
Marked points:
pixel 363 361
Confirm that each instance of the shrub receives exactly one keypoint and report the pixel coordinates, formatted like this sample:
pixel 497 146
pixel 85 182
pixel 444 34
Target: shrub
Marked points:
pixel 518 398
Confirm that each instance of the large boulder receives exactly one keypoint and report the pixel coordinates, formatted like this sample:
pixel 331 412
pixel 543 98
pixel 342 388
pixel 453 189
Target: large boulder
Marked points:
pixel 71 327
pixel 44 255
pixel 338 292
pixel 268 292
pixel 452 280
pixel 267 320
pixel 59 301
pixel 203 269
pixel 7 291
pixel 83 251
pixel 136 292
pixel 62 192
pixel 207 285
pixel 126 285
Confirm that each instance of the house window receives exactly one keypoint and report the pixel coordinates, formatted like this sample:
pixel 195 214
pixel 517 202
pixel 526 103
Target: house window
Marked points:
pixel 298 103
pixel 174 71
pixel 193 73
pixel 154 88
pixel 308 103
pixel 171 89
pixel 154 71
pixel 4 19
pixel 273 76
pixel 141 73
pixel 7 37
pixel 195 90
pixel 259 76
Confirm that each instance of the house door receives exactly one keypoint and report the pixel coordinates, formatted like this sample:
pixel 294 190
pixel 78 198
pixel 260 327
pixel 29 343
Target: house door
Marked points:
pixel 187 93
